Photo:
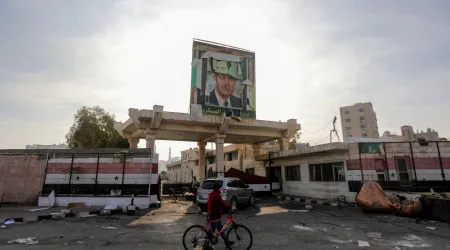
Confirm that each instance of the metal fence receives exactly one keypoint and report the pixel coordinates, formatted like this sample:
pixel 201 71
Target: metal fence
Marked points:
pixel 411 166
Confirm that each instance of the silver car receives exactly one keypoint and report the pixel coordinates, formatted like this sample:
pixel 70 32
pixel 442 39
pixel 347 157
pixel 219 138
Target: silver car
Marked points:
pixel 233 190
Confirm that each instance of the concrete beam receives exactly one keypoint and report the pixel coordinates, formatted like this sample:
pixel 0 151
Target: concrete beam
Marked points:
pixel 223 129
pixel 134 115
pixel 157 116
pixel 209 139
pixel 138 134
pixel 292 128
pixel 118 128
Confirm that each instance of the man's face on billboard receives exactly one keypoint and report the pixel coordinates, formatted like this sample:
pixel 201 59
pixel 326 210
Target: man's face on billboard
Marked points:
pixel 224 84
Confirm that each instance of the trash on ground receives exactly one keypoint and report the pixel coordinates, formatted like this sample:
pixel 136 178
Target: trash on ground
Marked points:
pixel 3 226
pixel 39 209
pixel 374 235
pixel 120 233
pixel 299 211
pixel 309 207
pixel 432 228
pixel 28 241
pixel 9 222
pixel 109 227
pixel 87 215
pixel 362 243
pixel 76 205
pixel 303 228
pixel 57 216
pixel 110 207
pixel 80 242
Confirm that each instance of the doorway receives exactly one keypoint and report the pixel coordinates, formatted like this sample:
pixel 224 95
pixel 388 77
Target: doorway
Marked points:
pixel 275 174
pixel 402 169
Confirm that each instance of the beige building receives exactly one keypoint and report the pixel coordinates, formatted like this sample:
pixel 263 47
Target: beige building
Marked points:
pixel 359 120
pixel 238 156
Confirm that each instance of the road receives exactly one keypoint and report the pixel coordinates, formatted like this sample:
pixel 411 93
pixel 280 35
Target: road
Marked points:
pixel 273 227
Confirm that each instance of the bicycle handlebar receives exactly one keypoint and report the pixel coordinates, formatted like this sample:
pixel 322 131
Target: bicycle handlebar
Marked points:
pixel 232 211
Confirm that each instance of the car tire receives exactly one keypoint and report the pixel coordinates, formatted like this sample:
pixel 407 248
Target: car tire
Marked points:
pixel 251 201
pixel 233 203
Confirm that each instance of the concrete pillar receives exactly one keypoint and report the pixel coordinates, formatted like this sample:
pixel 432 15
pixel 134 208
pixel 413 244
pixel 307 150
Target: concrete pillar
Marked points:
pixel 284 143
pixel 150 139
pixel 133 142
pixel 201 160
pixel 220 140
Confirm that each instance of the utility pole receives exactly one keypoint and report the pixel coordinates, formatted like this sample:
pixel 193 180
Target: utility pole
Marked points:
pixel 334 130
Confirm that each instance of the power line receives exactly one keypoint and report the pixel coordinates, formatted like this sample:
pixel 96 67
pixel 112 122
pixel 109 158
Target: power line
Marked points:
pixel 313 132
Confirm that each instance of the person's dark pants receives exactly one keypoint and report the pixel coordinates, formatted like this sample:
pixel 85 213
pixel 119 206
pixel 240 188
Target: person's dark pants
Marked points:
pixel 219 226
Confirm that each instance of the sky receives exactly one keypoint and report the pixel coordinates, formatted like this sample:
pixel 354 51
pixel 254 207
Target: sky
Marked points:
pixel 311 58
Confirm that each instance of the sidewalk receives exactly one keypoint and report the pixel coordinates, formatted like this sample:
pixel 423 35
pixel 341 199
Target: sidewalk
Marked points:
pixel 23 213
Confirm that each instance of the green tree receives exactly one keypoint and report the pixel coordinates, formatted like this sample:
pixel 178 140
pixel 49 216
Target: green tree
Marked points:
pixel 295 140
pixel 163 175
pixel 94 128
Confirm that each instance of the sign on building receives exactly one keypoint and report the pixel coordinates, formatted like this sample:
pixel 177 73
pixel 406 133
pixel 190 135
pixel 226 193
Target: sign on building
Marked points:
pixel 223 80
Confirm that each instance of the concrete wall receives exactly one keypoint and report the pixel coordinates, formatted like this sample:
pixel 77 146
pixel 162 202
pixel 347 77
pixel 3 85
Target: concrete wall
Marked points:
pixel 21 178
pixel 314 189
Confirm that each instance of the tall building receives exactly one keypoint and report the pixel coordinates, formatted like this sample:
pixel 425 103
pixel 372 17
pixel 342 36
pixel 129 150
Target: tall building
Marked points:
pixel 359 120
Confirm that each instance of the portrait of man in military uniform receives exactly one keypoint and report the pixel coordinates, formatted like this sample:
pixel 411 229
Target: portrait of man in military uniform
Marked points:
pixel 222 80
pixel 225 76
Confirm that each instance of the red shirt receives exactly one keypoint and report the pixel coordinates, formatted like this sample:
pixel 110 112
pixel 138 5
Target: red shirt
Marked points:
pixel 215 205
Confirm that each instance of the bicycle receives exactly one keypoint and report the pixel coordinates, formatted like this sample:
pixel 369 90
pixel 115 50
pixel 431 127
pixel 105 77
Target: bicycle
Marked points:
pixel 206 240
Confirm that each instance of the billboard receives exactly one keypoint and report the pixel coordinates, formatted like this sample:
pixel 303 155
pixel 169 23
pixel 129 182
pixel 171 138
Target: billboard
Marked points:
pixel 223 80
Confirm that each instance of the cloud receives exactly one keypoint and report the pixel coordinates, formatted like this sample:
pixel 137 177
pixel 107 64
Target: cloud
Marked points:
pixel 312 57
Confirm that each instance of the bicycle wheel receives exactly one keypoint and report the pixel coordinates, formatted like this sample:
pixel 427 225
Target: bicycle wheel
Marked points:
pixel 239 237
pixel 193 238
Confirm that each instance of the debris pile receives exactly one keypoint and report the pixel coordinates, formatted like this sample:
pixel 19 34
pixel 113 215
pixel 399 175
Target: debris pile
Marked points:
pixel 373 198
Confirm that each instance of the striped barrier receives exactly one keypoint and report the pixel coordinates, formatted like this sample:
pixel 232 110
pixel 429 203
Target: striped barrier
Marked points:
pixel 102 175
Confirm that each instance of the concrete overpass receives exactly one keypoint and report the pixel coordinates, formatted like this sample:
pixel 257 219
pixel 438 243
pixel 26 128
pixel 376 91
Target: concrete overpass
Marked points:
pixel 158 124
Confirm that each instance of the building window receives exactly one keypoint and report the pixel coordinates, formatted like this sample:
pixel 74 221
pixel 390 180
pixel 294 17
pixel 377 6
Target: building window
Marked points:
pixel 349 135
pixel 361 110
pixel 347 112
pixel 293 173
pixel 361 118
pixel 363 126
pixel 348 128
pixel 327 172
pixel 196 162
pixel 250 170
pixel 347 120
pixel 232 156
pixel 364 134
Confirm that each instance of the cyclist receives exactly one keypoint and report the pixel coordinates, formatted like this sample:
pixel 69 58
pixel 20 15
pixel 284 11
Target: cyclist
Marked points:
pixel 215 206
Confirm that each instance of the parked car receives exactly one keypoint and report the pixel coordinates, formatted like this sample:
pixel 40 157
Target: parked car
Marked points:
pixel 233 190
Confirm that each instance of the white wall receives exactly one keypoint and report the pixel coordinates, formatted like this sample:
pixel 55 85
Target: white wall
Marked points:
pixel 315 189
